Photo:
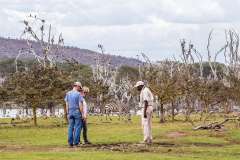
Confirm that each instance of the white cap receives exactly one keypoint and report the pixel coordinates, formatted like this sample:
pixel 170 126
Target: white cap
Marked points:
pixel 78 84
pixel 139 83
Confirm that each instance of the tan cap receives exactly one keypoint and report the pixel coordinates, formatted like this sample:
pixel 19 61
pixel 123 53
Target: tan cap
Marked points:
pixel 139 83
pixel 77 84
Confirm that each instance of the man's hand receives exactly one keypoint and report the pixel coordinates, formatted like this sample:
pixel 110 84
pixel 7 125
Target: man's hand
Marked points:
pixel 84 119
pixel 145 115
pixel 145 109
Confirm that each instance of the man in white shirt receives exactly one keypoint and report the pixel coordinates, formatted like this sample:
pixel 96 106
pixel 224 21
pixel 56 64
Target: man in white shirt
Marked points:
pixel 84 92
pixel 146 103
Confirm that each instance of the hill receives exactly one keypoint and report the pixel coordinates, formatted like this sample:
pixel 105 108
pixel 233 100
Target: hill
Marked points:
pixel 9 48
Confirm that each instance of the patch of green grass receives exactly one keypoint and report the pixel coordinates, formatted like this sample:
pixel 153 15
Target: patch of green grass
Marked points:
pixel 33 136
pixel 198 140
pixel 108 156
pixel 234 135
pixel 192 145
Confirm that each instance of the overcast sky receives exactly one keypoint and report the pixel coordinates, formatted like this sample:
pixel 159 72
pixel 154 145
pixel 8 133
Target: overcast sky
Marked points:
pixel 128 27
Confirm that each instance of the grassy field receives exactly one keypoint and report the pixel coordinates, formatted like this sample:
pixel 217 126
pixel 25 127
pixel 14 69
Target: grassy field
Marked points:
pixel 118 140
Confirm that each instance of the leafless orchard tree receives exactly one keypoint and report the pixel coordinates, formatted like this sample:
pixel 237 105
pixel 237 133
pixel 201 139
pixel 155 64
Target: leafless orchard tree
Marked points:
pixel 212 57
pixel 111 96
pixel 185 84
pixel 37 32
pixel 214 90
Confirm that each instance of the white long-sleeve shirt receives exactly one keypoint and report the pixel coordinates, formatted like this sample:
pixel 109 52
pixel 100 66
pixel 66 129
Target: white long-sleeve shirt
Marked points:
pixel 146 95
pixel 85 108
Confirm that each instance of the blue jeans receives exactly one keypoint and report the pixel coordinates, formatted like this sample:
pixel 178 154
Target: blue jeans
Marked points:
pixel 74 128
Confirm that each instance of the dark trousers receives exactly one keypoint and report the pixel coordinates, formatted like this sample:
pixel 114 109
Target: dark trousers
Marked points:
pixel 84 127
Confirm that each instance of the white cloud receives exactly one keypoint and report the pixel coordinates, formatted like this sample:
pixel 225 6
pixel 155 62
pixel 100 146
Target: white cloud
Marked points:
pixel 127 27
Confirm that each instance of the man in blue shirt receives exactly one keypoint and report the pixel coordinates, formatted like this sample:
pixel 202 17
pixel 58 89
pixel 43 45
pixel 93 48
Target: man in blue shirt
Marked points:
pixel 74 107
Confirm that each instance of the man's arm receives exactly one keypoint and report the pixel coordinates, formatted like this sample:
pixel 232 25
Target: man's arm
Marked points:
pixel 66 102
pixel 84 110
pixel 80 104
pixel 145 109
pixel 81 107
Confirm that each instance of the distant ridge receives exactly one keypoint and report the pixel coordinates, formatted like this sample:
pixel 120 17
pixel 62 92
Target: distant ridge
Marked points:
pixel 9 48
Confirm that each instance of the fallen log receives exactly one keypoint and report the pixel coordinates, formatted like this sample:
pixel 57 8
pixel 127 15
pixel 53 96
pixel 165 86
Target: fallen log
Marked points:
pixel 215 125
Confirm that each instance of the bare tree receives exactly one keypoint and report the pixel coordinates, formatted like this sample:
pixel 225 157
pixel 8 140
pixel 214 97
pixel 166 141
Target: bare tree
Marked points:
pixel 36 31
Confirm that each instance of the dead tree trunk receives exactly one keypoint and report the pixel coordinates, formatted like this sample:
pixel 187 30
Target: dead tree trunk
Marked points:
pixel 172 111
pixel 161 113
pixel 65 113
pixel 35 115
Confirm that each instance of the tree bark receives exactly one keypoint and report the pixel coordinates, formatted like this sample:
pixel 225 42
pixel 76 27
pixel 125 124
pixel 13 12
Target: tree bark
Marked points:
pixel 173 113
pixel 65 114
pixel 162 113
pixel 158 111
pixel 35 115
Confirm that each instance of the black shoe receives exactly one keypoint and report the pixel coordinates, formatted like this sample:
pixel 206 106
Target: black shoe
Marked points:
pixel 70 145
pixel 87 142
